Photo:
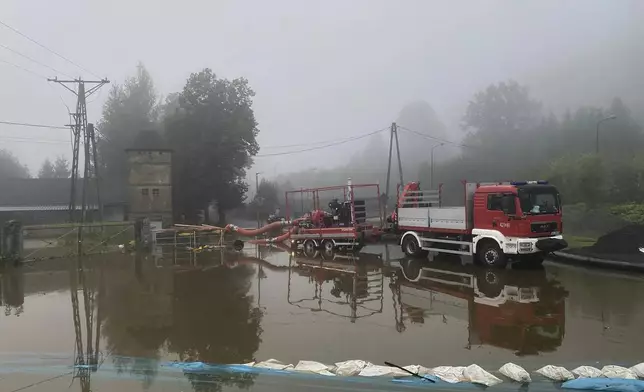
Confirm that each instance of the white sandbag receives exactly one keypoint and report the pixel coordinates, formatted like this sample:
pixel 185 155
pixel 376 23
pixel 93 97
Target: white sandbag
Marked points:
pixel 638 370
pixel 586 372
pixel 451 374
pixel 418 369
pixel 381 371
pixel 556 373
pixel 476 374
pixel 273 364
pixel 614 371
pixel 515 373
pixel 313 367
pixel 352 367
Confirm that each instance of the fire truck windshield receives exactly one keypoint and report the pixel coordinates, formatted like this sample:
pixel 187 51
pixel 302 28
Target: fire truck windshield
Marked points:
pixel 537 200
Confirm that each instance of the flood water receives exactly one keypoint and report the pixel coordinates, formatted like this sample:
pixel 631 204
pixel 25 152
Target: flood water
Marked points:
pixel 262 303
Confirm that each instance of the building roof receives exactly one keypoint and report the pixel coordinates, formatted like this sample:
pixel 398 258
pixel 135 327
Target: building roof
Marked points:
pixel 149 140
pixel 39 192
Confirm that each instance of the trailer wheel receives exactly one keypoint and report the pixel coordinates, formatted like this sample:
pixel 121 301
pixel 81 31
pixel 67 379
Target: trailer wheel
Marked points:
pixel 491 255
pixel 328 248
pixel 411 247
pixel 310 248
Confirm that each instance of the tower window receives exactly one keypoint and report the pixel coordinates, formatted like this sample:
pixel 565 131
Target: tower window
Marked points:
pixel 155 192
pixel 144 191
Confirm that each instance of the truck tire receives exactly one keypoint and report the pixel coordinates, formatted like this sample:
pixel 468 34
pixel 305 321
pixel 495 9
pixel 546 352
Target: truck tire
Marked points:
pixel 491 255
pixel 411 247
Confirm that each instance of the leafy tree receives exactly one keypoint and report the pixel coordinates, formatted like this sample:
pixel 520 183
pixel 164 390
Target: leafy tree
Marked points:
pixel 212 131
pixel 46 170
pixel 61 168
pixel 501 108
pixel 130 108
pixel 10 166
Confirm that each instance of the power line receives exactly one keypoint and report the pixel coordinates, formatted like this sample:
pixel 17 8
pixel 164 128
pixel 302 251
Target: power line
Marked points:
pixel 33 125
pixel 32 140
pixel 24 69
pixel 33 60
pixel 305 144
pixel 337 143
pixel 421 134
pixel 46 48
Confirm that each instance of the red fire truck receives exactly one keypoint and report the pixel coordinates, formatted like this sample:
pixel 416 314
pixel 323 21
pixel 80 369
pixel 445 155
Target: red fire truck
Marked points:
pixel 498 222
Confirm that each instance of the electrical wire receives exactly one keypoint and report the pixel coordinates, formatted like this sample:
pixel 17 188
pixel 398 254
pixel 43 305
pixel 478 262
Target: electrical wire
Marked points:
pixel 337 143
pixel 304 144
pixel 421 134
pixel 47 49
pixel 31 140
pixel 24 69
pixel 35 61
pixel 33 125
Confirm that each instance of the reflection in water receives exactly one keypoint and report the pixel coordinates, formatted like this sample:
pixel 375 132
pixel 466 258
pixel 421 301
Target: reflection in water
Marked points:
pixel 356 281
pixel 519 310
pixel 12 290
pixel 199 310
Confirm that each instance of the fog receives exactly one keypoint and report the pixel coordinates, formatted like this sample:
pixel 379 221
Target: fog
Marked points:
pixel 321 71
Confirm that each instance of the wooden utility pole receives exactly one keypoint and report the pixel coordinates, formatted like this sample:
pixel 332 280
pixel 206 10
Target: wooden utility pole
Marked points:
pixel 392 136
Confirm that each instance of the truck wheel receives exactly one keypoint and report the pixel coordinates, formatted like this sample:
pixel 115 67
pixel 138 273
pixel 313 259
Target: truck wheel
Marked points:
pixel 491 255
pixel 310 248
pixel 412 248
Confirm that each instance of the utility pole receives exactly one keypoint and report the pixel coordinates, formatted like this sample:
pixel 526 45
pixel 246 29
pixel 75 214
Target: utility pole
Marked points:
pixel 431 169
pixel 81 129
pixel 612 117
pixel 393 135
pixel 257 195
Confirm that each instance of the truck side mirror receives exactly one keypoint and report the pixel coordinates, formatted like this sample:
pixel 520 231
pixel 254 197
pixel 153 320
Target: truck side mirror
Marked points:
pixel 507 205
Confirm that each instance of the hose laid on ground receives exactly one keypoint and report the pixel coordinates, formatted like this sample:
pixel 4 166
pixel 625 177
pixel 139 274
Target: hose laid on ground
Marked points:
pixel 274 240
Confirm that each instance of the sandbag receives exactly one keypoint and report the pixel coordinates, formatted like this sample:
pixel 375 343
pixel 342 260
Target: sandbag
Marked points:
pixel 451 374
pixel 273 364
pixel 515 373
pixel 476 374
pixel 313 367
pixel 556 373
pixel 381 371
pixel 614 371
pixel 419 369
pixel 587 372
pixel 638 370
pixel 352 367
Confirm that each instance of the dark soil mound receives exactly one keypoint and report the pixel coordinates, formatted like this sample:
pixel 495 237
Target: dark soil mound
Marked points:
pixel 626 240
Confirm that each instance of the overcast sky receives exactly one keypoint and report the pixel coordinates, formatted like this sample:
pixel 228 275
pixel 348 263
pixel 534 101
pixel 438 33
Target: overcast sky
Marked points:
pixel 321 69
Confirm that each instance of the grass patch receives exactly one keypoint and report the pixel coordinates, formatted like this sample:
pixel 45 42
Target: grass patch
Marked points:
pixel 575 241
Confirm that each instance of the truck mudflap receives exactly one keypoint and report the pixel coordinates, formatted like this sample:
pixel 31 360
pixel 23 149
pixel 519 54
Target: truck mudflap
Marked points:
pixel 551 244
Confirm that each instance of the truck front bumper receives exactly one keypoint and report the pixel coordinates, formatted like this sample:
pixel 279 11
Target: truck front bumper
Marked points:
pixel 534 245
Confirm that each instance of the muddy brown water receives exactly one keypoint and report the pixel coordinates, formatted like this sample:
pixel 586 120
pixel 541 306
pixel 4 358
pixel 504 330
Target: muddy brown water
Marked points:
pixel 219 307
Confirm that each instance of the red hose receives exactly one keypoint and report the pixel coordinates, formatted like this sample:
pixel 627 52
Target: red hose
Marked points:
pixel 261 230
pixel 280 238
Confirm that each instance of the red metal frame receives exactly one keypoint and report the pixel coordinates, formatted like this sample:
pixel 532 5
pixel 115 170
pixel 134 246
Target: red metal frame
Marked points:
pixel 332 232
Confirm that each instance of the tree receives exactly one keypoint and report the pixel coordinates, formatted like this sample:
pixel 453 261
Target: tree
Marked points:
pixel 500 109
pixel 212 132
pixel 61 168
pixel 46 170
pixel 130 108
pixel 10 166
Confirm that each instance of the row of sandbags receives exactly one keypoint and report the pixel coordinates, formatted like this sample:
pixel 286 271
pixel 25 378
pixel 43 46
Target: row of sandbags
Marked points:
pixel 454 374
